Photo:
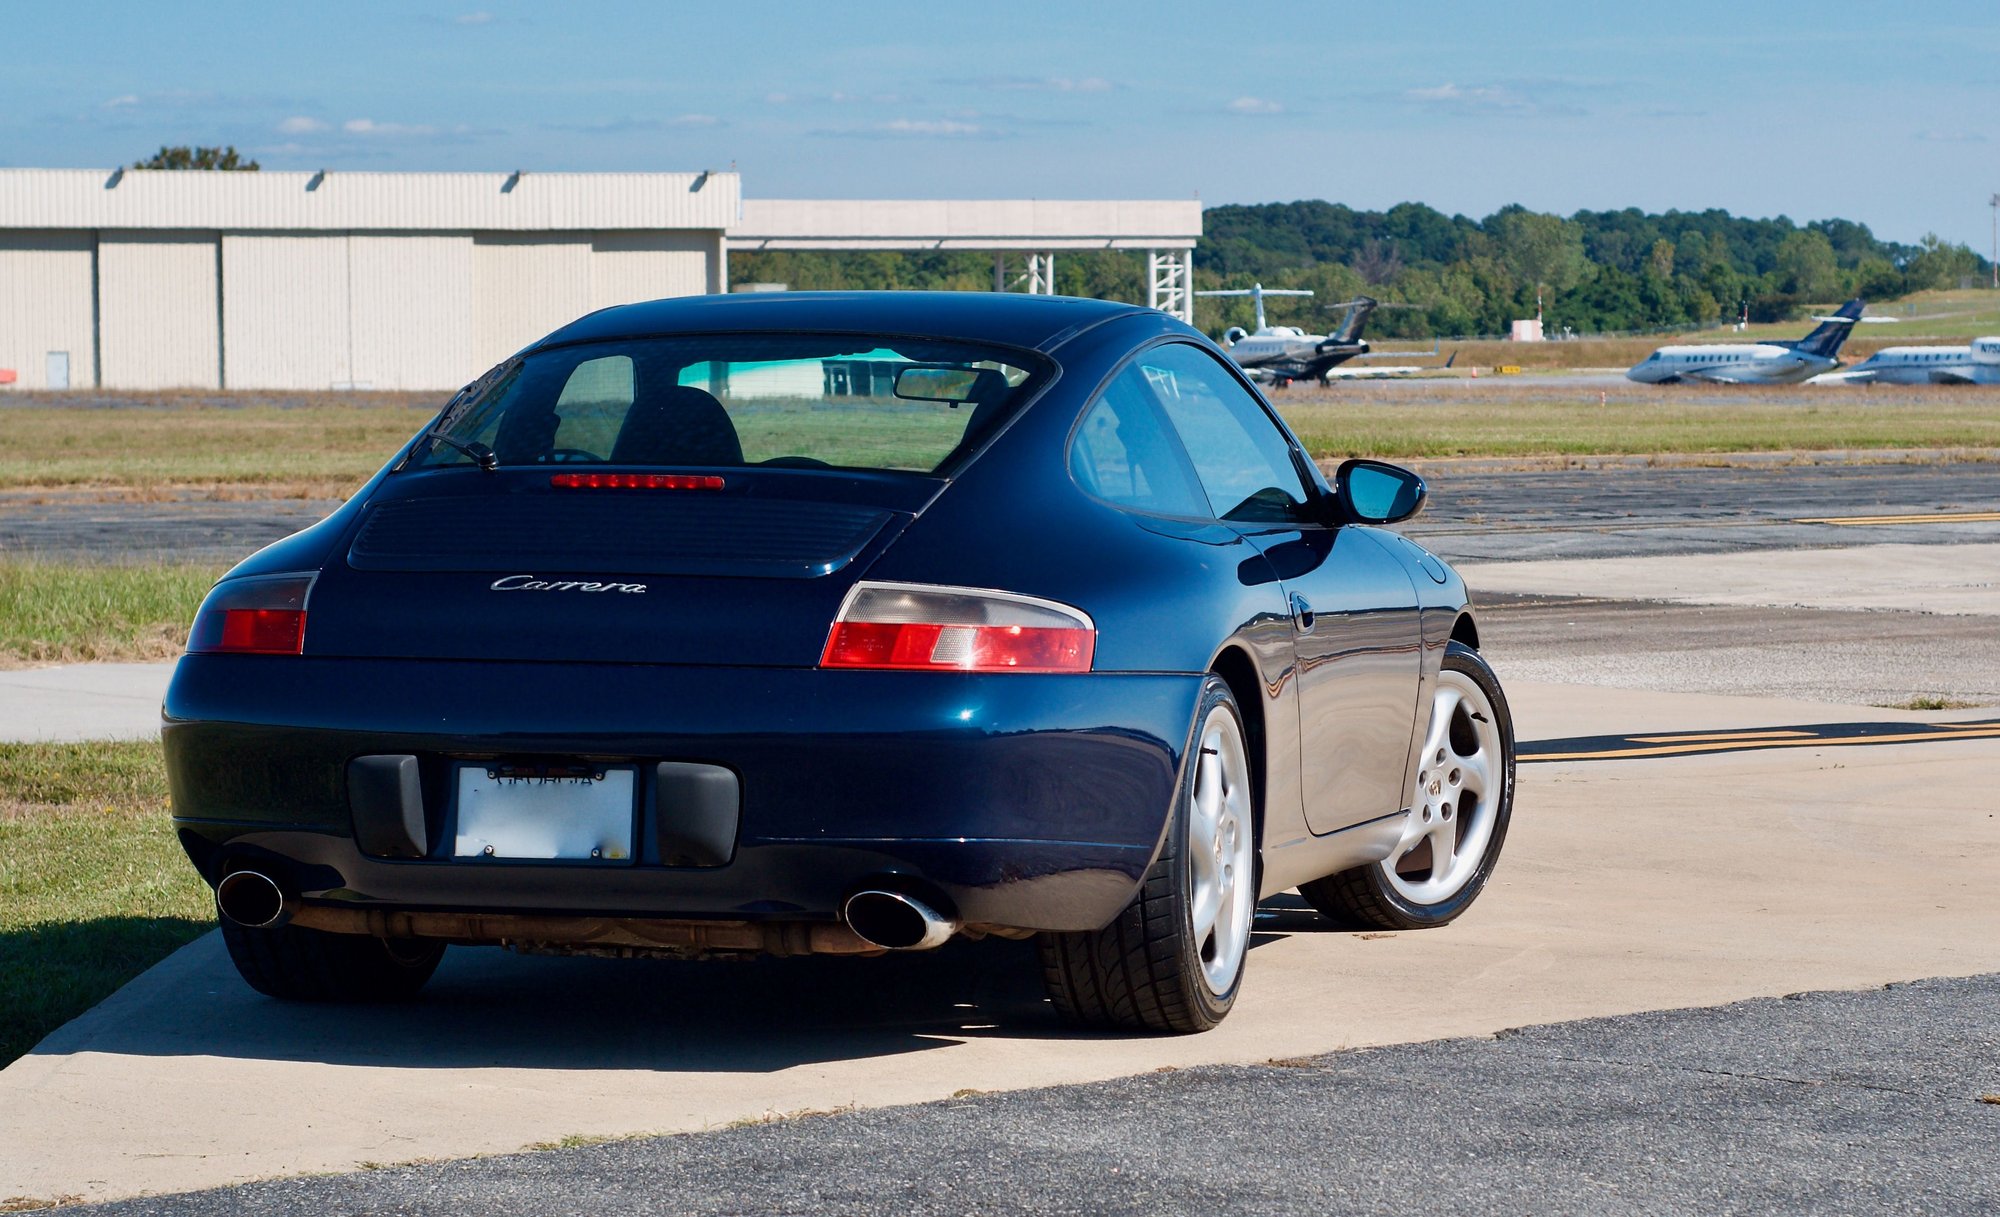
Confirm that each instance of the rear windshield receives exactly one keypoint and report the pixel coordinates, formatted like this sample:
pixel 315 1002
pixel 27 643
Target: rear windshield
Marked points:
pixel 799 400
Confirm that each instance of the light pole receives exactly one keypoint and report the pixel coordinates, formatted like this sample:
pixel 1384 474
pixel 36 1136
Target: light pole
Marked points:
pixel 1996 242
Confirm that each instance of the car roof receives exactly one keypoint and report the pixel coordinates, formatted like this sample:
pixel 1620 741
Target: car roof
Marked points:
pixel 1008 318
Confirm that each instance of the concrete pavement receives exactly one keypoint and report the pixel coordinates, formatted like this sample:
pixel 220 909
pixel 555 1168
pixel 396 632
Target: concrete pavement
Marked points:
pixel 1627 886
pixel 82 701
pixel 1945 579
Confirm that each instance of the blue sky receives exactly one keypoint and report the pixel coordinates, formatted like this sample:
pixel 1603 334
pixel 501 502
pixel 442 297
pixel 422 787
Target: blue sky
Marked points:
pixel 1884 113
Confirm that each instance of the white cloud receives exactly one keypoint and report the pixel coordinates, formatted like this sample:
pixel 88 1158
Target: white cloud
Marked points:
pixel 300 124
pixel 943 127
pixel 122 102
pixel 368 126
pixel 693 120
pixel 1494 98
pixel 479 18
pixel 1051 84
pixel 1254 105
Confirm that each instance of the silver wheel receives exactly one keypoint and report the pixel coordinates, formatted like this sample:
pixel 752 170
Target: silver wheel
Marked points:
pixel 1221 861
pixel 1456 802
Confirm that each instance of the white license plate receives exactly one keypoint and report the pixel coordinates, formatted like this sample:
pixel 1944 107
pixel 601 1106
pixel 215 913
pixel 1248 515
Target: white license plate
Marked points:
pixel 580 817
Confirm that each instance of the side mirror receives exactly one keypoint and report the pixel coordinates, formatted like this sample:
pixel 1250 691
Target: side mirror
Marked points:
pixel 1375 492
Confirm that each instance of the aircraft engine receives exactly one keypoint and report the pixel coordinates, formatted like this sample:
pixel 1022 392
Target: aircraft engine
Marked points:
pixel 1233 335
pixel 1986 350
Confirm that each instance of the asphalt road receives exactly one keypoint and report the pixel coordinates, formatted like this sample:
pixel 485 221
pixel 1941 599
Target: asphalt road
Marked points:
pixel 1476 510
pixel 1631 509
pixel 1873 1102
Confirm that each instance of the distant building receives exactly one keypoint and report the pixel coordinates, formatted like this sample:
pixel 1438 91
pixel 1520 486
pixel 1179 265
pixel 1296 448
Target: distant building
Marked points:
pixel 1527 329
pixel 138 279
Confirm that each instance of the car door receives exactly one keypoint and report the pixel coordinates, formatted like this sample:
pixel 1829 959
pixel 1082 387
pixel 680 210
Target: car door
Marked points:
pixel 1356 628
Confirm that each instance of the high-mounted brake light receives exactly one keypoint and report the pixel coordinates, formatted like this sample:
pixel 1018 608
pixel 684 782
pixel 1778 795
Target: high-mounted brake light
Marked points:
pixel 918 627
pixel 264 615
pixel 636 481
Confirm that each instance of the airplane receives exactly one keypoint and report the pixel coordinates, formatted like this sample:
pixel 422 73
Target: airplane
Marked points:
pixel 1754 363
pixel 1977 364
pixel 1388 371
pixel 1281 354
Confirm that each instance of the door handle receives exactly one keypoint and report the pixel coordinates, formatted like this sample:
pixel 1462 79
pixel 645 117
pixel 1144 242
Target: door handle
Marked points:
pixel 1302 614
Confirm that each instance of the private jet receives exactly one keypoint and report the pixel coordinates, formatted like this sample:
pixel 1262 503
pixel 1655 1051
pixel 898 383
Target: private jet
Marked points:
pixel 1977 364
pixel 1754 363
pixel 1281 354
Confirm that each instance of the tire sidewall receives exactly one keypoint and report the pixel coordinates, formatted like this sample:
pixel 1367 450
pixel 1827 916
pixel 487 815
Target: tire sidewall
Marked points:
pixel 1213 1006
pixel 1469 663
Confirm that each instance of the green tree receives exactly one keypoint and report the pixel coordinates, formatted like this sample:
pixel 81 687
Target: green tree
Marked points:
pixel 1939 264
pixel 183 157
pixel 1806 266
pixel 1544 250
pixel 1661 261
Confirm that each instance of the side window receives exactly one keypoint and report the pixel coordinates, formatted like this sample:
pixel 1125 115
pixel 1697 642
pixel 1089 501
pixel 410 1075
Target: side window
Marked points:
pixel 1124 453
pixel 1243 460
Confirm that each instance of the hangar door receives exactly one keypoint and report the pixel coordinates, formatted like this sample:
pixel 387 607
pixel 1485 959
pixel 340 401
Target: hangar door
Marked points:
pixel 160 309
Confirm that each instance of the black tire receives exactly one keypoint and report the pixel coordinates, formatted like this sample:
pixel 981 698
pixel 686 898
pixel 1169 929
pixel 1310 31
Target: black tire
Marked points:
pixel 1145 970
pixel 1364 898
pixel 297 964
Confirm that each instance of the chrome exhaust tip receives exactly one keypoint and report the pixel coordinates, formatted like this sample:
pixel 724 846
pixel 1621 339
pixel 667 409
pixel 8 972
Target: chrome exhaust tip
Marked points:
pixel 895 921
pixel 252 899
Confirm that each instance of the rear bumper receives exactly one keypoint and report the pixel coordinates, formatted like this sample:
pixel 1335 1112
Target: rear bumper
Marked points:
pixel 1028 801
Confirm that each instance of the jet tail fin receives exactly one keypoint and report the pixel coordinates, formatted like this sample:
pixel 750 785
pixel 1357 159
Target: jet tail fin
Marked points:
pixel 1357 316
pixel 1827 336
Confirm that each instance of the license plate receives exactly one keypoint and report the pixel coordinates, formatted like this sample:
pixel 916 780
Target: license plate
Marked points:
pixel 582 817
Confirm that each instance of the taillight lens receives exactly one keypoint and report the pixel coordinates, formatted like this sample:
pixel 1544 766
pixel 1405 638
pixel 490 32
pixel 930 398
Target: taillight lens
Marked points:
pixel 265 615
pixel 918 627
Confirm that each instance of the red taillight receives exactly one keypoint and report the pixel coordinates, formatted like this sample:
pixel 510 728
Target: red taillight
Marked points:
pixel 636 481
pixel 258 616
pixel 263 631
pixel 902 627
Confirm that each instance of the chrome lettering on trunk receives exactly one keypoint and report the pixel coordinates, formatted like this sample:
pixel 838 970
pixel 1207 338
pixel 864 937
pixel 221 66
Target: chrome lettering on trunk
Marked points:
pixel 529 583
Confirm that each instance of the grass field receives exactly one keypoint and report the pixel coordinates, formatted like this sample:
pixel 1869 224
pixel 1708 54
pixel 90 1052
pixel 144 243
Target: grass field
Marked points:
pixel 1529 419
pixel 320 450
pixel 262 444
pixel 93 887
pixel 70 613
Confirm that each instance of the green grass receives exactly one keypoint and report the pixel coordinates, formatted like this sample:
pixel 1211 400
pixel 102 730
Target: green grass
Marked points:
pixel 94 888
pixel 1385 422
pixel 321 450
pixel 54 612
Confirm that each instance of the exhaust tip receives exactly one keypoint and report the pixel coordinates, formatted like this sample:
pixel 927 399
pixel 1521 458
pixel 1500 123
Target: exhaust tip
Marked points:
pixel 253 899
pixel 896 921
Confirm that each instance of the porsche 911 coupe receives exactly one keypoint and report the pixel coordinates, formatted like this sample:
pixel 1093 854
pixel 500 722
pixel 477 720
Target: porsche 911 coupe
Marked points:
pixel 842 623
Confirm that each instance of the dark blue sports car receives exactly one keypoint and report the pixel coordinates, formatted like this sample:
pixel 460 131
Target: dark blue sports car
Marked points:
pixel 842 623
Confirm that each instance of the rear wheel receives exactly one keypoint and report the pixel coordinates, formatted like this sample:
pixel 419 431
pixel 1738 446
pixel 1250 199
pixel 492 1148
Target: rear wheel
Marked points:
pixel 1173 960
pixel 298 964
pixel 1460 806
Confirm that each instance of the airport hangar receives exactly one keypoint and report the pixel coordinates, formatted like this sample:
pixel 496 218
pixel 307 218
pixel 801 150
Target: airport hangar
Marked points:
pixel 138 279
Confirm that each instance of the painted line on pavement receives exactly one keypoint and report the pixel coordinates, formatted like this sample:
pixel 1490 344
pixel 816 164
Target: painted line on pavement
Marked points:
pixel 1826 735
pixel 1942 517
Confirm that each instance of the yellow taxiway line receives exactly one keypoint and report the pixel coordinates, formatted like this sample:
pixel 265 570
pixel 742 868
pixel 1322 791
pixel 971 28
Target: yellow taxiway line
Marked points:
pixel 1945 517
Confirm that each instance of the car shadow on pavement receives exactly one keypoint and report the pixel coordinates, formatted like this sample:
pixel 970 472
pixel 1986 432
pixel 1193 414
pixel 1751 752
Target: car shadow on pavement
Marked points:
pixel 489 1008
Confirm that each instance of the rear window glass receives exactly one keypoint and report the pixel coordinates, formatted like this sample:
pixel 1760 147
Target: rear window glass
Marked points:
pixel 796 400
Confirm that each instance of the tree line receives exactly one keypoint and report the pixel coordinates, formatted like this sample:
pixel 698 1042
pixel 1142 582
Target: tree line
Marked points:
pixel 1453 276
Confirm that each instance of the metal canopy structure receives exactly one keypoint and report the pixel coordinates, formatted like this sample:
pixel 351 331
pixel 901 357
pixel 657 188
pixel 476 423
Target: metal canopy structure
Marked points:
pixel 1023 235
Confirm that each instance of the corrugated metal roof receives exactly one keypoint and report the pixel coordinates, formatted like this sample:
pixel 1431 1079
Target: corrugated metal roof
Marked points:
pixel 389 202
pixel 1039 224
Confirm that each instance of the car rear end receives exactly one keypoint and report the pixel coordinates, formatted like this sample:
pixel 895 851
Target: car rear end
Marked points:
pixel 600 668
